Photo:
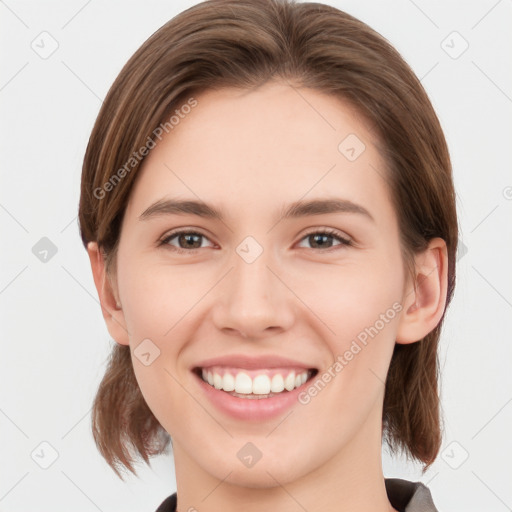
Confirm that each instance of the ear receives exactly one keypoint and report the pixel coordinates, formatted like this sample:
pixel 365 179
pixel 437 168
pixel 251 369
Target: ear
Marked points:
pixel 108 295
pixel 425 296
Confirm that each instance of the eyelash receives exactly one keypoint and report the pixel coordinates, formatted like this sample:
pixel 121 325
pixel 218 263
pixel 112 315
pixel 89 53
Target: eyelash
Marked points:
pixel 328 232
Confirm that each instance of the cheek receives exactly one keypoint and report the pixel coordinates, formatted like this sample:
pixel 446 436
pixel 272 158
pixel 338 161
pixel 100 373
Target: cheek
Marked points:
pixel 359 307
pixel 349 297
pixel 155 304
pixel 157 297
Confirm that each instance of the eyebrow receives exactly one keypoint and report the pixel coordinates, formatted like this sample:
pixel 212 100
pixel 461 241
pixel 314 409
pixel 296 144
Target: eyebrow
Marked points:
pixel 293 210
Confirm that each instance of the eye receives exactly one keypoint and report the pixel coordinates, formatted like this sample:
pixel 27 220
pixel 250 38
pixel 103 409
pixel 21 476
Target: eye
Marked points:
pixel 320 238
pixel 191 240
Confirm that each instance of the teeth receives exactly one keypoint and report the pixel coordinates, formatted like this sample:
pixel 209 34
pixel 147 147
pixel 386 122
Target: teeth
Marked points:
pixel 262 384
pixel 228 382
pixel 277 384
pixel 217 381
pixel 243 383
pixel 289 382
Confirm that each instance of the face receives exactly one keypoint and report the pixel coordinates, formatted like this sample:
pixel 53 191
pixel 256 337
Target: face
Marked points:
pixel 256 294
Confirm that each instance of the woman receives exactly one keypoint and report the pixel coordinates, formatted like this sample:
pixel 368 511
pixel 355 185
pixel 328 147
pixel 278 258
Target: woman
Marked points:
pixel 268 207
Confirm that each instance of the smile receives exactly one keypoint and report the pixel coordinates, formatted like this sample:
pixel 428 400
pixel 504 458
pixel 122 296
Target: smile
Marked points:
pixel 252 395
pixel 264 383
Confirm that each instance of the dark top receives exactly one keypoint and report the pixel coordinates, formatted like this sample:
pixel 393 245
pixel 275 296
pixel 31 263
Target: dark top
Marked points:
pixel 404 495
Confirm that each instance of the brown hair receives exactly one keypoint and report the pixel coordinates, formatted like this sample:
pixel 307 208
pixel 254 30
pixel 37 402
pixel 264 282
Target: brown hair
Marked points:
pixel 242 43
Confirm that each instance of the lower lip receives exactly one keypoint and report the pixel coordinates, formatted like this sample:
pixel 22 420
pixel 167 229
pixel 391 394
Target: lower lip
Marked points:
pixel 251 409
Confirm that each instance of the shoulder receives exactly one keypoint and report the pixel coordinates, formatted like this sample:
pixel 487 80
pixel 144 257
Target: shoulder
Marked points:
pixel 404 495
pixel 407 496
pixel 168 505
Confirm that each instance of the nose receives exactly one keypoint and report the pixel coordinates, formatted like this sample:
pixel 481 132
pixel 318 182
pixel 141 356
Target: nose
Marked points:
pixel 254 301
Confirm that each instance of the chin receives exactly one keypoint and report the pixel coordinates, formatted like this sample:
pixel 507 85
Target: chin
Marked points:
pixel 271 470
pixel 261 477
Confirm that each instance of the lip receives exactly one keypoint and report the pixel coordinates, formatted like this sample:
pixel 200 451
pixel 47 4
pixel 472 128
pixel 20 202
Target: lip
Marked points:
pixel 252 363
pixel 248 409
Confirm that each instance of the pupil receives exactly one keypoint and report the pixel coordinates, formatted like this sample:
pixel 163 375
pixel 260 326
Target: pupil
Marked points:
pixel 316 237
pixel 188 238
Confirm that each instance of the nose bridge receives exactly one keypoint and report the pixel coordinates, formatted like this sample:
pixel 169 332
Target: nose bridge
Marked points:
pixel 253 299
pixel 251 278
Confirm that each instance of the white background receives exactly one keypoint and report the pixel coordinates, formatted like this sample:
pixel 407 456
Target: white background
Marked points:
pixel 54 343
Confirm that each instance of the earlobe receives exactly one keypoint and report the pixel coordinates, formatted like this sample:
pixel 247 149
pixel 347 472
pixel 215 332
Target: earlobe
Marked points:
pixel 110 306
pixel 425 302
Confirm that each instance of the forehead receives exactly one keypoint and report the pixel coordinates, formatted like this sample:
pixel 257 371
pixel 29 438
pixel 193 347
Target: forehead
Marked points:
pixel 251 149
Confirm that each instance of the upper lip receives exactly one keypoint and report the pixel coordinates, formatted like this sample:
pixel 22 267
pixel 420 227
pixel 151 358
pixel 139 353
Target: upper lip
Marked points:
pixel 252 362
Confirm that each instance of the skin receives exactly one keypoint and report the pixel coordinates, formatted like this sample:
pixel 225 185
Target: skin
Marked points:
pixel 248 153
